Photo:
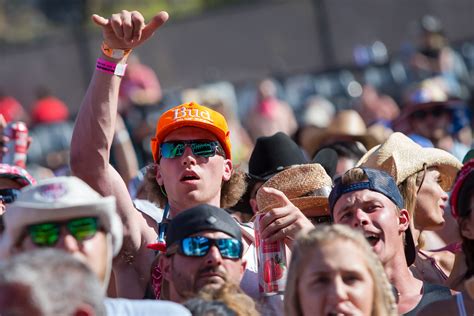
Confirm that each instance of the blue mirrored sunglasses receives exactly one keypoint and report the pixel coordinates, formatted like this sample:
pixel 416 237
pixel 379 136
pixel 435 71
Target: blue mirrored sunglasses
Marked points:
pixel 201 148
pixel 9 195
pixel 199 246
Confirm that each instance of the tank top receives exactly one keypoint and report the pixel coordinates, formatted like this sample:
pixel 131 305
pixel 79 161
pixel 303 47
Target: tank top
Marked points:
pixel 431 293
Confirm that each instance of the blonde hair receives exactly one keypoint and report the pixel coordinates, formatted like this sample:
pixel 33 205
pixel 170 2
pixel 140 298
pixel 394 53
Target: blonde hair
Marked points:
pixel 384 301
pixel 409 189
pixel 231 191
pixel 233 297
pixel 353 175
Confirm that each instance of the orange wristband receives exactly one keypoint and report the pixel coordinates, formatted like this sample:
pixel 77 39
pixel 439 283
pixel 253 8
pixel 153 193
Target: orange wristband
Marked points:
pixel 114 52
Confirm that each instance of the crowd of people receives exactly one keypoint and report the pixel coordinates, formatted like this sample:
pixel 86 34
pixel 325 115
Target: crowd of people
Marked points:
pixel 368 208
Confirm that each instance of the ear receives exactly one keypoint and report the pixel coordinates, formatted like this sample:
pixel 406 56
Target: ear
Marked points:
pixel 158 176
pixel 253 204
pixel 242 268
pixel 227 170
pixel 403 220
pixel 164 263
pixel 466 229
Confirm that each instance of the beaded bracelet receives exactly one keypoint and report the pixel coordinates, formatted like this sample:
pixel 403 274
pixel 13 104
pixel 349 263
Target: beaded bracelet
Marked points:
pixel 109 67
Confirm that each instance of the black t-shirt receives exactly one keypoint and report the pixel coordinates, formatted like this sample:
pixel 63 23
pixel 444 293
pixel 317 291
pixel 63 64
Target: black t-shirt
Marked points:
pixel 431 293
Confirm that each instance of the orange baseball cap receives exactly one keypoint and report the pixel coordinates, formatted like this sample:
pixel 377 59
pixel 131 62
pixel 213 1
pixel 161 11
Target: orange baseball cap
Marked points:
pixel 191 114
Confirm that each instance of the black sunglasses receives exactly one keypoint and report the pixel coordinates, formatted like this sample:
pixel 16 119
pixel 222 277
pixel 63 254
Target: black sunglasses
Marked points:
pixel 317 220
pixel 436 112
pixel 9 195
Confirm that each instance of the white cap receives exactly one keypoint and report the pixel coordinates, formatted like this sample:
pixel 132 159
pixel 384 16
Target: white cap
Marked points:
pixel 59 199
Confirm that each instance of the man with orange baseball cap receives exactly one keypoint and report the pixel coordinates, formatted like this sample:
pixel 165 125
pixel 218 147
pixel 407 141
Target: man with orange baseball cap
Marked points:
pixel 191 151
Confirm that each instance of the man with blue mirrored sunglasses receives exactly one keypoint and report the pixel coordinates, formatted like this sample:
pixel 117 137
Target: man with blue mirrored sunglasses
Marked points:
pixel 204 250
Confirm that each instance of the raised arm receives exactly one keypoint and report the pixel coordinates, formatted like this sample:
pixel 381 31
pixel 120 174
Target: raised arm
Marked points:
pixel 95 123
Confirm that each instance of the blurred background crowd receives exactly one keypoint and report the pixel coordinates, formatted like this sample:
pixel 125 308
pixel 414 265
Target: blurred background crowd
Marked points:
pixel 337 77
pixel 271 66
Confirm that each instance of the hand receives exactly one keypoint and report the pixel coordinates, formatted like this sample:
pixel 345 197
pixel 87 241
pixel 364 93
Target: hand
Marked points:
pixel 284 221
pixel 127 30
pixel 346 308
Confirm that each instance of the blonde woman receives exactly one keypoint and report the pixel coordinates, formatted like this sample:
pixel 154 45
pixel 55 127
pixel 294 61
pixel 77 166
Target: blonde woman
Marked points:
pixel 462 206
pixel 423 176
pixel 334 271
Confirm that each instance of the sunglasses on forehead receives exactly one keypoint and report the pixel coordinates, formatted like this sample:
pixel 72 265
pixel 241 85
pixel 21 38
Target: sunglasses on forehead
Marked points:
pixel 201 148
pixel 436 112
pixel 199 246
pixel 47 234
pixel 9 195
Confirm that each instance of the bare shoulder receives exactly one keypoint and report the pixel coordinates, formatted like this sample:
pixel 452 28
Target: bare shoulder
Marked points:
pixel 444 258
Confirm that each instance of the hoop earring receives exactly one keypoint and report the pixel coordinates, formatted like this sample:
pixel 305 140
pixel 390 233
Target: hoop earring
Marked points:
pixel 162 189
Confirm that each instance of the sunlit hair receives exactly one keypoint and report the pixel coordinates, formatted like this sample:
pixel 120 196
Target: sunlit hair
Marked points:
pixel 230 295
pixel 409 189
pixel 353 175
pixel 384 301
pixel 231 191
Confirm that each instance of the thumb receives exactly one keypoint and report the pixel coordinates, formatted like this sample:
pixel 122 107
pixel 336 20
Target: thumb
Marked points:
pixel 157 21
pixel 100 21
pixel 277 194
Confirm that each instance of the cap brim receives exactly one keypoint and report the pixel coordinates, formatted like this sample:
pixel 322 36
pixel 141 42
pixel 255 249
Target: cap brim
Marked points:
pixel 410 249
pixel 409 109
pixel 258 178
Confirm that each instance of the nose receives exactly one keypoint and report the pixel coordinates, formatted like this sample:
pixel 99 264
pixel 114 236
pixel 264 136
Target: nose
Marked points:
pixel 67 242
pixel 360 219
pixel 337 290
pixel 213 257
pixel 188 157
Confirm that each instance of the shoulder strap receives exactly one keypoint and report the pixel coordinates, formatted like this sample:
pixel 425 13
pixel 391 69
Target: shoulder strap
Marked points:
pixel 460 303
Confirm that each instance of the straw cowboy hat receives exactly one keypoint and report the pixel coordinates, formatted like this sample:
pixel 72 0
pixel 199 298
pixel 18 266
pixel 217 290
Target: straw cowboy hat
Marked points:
pixel 307 186
pixel 401 157
pixel 346 125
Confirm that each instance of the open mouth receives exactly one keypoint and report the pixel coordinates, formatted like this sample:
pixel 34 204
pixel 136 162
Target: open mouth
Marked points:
pixel 189 176
pixel 372 238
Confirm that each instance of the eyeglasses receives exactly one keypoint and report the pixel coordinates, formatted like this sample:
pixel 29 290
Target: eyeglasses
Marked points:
pixel 317 220
pixel 201 148
pixel 436 112
pixel 199 246
pixel 47 234
pixel 9 195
